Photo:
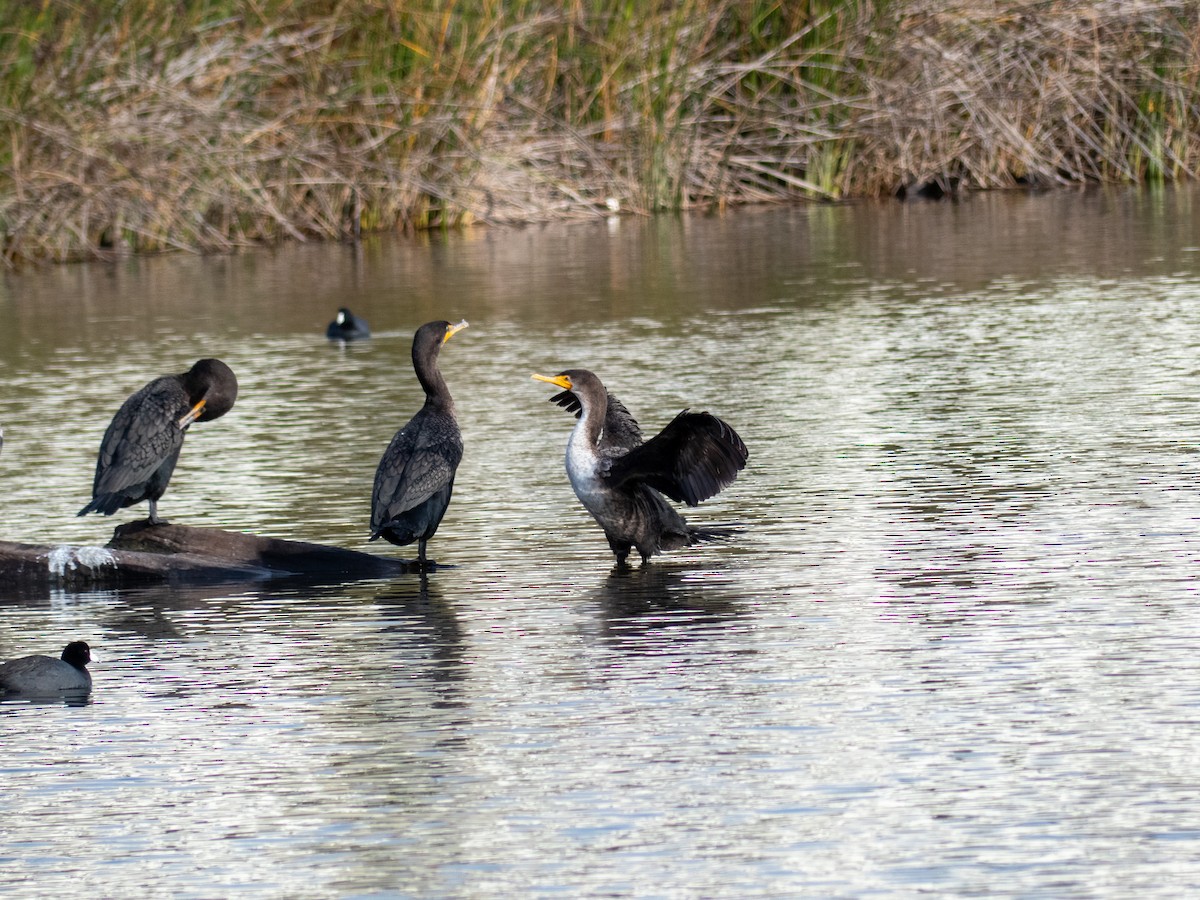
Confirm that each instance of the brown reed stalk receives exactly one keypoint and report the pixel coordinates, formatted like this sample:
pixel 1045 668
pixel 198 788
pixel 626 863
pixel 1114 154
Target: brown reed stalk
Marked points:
pixel 157 125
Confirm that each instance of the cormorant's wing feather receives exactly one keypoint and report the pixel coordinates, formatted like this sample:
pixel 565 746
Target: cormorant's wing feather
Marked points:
pixel 695 457
pixel 621 430
pixel 569 402
pixel 421 460
pixel 142 435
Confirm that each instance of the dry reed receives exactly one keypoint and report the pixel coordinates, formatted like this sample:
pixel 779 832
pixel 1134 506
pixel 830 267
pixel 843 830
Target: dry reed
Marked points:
pixel 157 125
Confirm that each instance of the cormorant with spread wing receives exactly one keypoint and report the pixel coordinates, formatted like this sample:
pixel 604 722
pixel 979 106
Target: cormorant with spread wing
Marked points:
pixel 620 479
pixel 142 443
pixel 416 474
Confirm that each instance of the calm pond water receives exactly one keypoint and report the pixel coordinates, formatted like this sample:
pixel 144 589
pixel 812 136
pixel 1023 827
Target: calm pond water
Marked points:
pixel 954 652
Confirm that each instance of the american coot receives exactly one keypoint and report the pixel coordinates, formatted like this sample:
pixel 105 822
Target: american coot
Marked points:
pixel 620 479
pixel 46 676
pixel 416 474
pixel 142 444
pixel 346 326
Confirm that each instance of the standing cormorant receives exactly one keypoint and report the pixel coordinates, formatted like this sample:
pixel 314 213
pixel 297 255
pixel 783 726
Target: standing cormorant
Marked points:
pixel 142 444
pixel 346 326
pixel 620 479
pixel 416 474
pixel 45 675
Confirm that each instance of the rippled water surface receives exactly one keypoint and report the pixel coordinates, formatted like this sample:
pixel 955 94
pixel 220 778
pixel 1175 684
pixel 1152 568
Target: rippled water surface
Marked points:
pixel 953 653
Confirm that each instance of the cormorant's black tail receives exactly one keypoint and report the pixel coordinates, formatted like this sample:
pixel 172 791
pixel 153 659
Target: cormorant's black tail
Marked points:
pixel 722 532
pixel 105 504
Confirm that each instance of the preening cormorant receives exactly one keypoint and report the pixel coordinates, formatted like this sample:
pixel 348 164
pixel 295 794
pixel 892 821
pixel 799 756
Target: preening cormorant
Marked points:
pixel 142 444
pixel 620 479
pixel 346 326
pixel 45 675
pixel 416 474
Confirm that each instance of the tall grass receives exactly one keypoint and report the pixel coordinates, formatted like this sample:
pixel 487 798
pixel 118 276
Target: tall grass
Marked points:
pixel 134 125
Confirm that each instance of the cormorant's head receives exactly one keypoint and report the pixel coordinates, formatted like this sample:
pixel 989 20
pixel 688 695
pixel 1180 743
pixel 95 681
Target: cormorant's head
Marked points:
pixel 562 380
pixel 578 381
pixel 581 390
pixel 430 337
pixel 452 330
pixel 211 388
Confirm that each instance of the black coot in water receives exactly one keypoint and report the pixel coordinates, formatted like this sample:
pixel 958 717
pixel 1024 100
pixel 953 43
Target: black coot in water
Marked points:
pixel 346 326
pixel 620 479
pixel 416 474
pixel 46 676
pixel 142 444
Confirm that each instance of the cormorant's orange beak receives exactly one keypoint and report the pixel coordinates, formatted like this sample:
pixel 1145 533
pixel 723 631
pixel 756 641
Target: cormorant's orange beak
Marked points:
pixel 561 381
pixel 453 330
pixel 192 415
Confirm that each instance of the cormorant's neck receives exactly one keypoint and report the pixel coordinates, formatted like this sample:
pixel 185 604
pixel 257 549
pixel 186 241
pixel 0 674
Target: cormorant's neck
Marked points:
pixel 593 410
pixel 432 382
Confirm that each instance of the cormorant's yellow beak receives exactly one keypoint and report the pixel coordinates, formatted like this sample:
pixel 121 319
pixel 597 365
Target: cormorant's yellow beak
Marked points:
pixel 453 330
pixel 561 381
pixel 192 415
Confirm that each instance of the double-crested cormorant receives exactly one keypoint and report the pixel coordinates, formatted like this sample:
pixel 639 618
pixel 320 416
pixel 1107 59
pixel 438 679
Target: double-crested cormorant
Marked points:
pixel 620 479
pixel 43 675
pixel 416 474
pixel 142 444
pixel 346 326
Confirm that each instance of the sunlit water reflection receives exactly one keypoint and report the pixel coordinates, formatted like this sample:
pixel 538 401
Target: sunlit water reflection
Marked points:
pixel 952 652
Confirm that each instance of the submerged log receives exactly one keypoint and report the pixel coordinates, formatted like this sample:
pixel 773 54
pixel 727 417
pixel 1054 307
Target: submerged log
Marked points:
pixel 140 553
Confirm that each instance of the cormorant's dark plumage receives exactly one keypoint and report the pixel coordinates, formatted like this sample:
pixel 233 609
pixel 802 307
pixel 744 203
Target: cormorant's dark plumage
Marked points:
pixel 620 479
pixel 346 326
pixel 416 474
pixel 142 444
pixel 45 675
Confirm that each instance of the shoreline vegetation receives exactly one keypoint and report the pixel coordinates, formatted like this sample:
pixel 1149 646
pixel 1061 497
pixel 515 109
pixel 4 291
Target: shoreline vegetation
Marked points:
pixel 207 125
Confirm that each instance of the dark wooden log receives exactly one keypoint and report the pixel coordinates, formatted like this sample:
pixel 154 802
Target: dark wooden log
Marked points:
pixel 277 556
pixel 141 553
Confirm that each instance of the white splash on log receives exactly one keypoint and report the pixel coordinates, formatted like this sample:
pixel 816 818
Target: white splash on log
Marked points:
pixel 64 559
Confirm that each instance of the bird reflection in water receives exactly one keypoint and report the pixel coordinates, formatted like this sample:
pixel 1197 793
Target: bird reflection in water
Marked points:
pixel 651 608
pixel 425 623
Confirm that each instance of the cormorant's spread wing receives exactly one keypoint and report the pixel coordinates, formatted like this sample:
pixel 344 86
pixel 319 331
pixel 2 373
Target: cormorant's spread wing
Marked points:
pixel 419 462
pixel 143 434
pixel 621 430
pixel 694 457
